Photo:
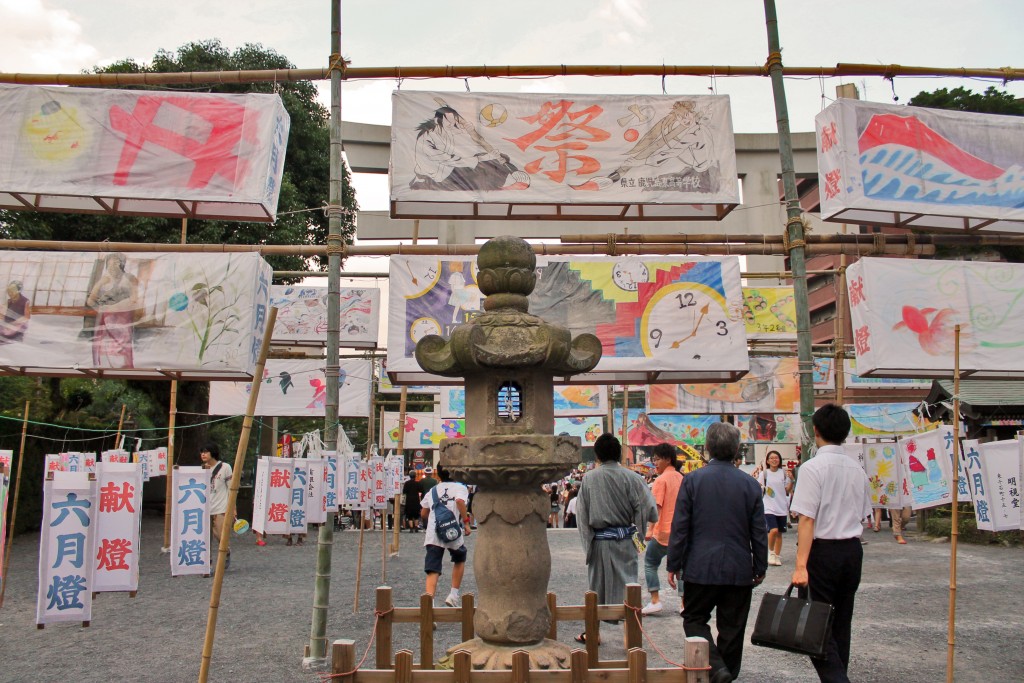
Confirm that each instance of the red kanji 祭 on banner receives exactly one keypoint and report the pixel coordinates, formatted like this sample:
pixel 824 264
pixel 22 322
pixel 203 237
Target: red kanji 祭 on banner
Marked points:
pixel 67 546
pixel 118 526
pixel 179 154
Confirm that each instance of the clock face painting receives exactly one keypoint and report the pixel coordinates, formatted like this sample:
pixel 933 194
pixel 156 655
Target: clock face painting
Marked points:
pixel 652 315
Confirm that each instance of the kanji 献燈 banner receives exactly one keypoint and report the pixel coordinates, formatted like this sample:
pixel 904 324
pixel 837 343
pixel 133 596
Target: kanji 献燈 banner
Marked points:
pixel 118 526
pixel 526 155
pixel 142 153
pixel 133 315
pixel 658 320
pixel 920 168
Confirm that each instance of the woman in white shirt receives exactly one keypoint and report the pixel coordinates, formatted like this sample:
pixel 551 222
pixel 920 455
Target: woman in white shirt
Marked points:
pixel 776 483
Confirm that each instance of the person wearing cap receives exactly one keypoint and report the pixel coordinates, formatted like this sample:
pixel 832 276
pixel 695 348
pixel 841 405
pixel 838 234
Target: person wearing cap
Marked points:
pixel 220 478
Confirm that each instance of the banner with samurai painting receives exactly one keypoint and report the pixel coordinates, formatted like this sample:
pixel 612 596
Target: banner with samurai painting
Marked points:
pixel 569 400
pixel 524 154
pixel 920 168
pixel 302 316
pixel 658 320
pixel 904 313
pixel 119 526
pixel 136 315
pixel 67 546
pixel 421 430
pixel 771 386
pixel 298 388
pixel 129 152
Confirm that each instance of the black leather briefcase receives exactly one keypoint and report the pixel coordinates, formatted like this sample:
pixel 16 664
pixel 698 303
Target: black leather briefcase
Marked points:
pixel 785 622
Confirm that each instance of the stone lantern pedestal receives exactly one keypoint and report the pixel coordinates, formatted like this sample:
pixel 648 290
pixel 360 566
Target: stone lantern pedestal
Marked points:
pixel 509 360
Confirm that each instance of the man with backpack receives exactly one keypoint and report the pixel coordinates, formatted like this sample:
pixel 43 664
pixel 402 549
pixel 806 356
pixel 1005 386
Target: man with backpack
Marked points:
pixel 443 502
pixel 220 479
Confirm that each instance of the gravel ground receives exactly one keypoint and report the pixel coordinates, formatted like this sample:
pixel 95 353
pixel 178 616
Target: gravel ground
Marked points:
pixel 899 628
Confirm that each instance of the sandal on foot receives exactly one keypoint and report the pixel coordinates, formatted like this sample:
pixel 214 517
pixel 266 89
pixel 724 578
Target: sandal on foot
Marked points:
pixel 901 540
pixel 288 542
pixel 582 638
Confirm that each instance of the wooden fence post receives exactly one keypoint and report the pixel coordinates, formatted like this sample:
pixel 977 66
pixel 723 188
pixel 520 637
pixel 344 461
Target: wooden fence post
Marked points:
pixel 633 603
pixel 592 628
pixel 695 655
pixel 462 666
pixel 403 666
pixel 468 611
pixel 384 623
pixel 636 661
pixel 579 670
pixel 520 666
pixel 427 631
pixel 343 659
pixel 553 608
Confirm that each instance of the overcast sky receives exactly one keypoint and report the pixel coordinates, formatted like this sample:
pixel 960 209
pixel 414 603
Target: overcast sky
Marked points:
pixel 45 36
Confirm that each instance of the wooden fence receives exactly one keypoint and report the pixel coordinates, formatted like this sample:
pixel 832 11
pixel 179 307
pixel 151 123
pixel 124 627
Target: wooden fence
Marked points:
pixel 401 667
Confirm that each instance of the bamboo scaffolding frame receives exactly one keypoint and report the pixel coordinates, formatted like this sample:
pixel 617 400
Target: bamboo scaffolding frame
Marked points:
pixel 840 70
pixel 954 531
pixel 14 505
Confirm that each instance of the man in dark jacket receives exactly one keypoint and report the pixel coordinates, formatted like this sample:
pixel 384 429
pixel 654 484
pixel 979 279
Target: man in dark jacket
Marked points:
pixel 719 547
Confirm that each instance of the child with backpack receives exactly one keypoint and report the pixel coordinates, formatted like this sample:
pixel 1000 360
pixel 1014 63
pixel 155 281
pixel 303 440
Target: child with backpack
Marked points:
pixel 444 509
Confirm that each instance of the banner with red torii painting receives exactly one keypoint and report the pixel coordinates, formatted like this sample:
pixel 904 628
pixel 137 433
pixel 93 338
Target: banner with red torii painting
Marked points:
pixel 557 157
pixel 148 153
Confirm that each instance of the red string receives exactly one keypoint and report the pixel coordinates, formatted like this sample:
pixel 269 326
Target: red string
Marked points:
pixel 377 614
pixel 658 650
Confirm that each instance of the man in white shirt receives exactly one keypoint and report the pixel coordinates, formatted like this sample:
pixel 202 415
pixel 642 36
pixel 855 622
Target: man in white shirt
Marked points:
pixel 220 479
pixel 454 496
pixel 832 496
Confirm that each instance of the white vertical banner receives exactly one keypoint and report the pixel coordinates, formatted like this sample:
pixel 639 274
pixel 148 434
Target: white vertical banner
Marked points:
pixel 260 486
pixel 352 488
pixel 332 482
pixel 1000 468
pixel 160 468
pixel 297 502
pixel 190 521
pixel 396 475
pixel 145 461
pixel 6 457
pixel 5 483
pixel 116 455
pixel 118 526
pixel 279 494
pixel 316 500
pixel 67 545
pixel 378 482
pixel 928 468
pixel 52 463
pixel 971 475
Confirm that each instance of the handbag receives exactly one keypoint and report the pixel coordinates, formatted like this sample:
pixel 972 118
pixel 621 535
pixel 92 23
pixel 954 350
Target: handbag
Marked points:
pixel 785 622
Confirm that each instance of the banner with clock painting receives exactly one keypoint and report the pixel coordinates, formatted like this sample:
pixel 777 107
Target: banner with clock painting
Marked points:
pixel 658 319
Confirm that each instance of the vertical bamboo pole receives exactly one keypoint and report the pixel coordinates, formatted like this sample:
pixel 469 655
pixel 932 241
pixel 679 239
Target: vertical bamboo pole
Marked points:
pixel 625 417
pixel 171 419
pixel 229 514
pixel 14 503
pixel 120 425
pixel 794 231
pixel 954 529
pixel 335 248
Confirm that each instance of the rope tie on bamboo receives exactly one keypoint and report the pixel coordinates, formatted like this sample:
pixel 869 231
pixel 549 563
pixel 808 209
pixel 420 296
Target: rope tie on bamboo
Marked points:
pixel 774 59
pixel 911 243
pixel 336 249
pixel 373 636
pixel 791 244
pixel 657 649
pixel 1009 73
pixel 879 242
pixel 612 245
pixel 337 63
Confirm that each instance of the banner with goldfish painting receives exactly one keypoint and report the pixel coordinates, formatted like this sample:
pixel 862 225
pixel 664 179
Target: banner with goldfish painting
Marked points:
pixel 770 313
pixel 152 153
pixel 904 312
pixel 658 320
pixel 552 157
pixel 928 467
pixel 297 388
pixel 422 430
pixel 302 316
pixel 915 167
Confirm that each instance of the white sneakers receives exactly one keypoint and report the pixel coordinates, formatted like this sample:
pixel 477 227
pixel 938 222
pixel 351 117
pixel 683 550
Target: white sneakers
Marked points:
pixel 452 600
pixel 774 560
pixel 652 608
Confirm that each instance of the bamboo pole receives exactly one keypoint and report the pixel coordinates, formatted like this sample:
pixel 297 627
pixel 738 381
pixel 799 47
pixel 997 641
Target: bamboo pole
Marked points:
pixel 625 417
pixel 954 533
pixel 14 504
pixel 120 425
pixel 171 419
pixel 847 70
pixel 229 514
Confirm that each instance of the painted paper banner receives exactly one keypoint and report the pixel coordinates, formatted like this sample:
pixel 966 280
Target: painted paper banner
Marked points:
pixel 332 484
pixel 769 428
pixel 904 312
pixel 518 155
pixel 5 484
pixel 645 429
pixel 395 465
pixel 569 400
pixel 1000 469
pixel 770 313
pixel 855 381
pixel 354 470
pixel 885 419
pixel 771 386
pixel 139 315
pixel 973 480
pixel 316 497
pixel 178 154
pixel 384 385
pixel 297 520
pixel 378 483
pixel 118 527
pixel 586 429
pixel 74 461
pixel 658 320
pixel 422 430
pixel 302 316
pixel 920 168
pixel 120 456
pixel 884 468
pixel 298 388
pixel 190 521
pixel 6 457
pixel 67 546
pixel 928 467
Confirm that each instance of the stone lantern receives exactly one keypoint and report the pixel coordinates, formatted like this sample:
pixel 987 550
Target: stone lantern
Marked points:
pixel 509 360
